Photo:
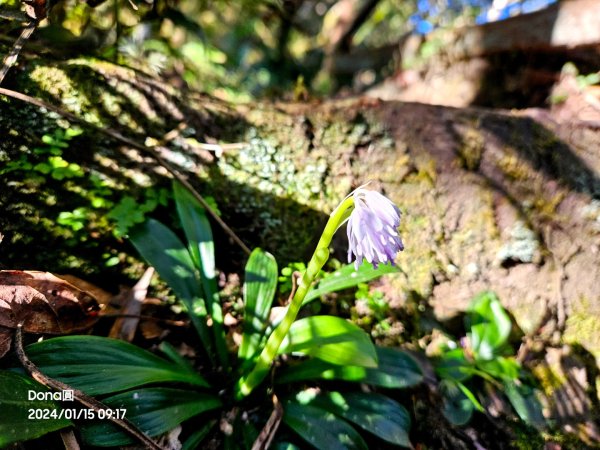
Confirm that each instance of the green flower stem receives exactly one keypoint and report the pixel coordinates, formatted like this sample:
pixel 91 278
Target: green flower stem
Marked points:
pixel 247 384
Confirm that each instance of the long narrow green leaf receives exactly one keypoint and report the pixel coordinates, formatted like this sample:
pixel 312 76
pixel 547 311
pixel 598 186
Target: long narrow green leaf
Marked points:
pixel 98 365
pixel 375 413
pixel 321 428
pixel 347 277
pixel 331 339
pixel 193 442
pixel 526 404
pixel 16 407
pixel 470 395
pixel 163 250
pixel 153 410
pixel 396 369
pixel 259 290
pixel 202 249
pixel 171 353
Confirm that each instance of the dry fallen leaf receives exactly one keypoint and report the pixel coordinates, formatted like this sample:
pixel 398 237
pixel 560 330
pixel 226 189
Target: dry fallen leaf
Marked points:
pixel 5 340
pixel 124 328
pixel 103 297
pixel 44 303
pixel 37 9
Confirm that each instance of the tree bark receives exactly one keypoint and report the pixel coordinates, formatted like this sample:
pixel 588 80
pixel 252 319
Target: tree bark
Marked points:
pixel 566 24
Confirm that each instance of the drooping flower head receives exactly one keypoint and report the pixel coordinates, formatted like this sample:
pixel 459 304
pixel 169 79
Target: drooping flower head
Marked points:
pixel 373 229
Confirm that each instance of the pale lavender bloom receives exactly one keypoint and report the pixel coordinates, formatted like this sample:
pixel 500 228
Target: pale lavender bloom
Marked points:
pixel 373 229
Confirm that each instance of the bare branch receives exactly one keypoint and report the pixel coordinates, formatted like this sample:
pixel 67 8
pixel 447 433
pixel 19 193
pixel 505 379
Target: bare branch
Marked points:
pixel 80 396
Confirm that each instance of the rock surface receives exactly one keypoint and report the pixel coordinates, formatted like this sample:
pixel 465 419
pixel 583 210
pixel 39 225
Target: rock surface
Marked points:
pixel 508 201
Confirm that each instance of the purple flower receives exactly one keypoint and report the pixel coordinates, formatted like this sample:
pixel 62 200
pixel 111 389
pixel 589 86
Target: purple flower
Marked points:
pixel 372 229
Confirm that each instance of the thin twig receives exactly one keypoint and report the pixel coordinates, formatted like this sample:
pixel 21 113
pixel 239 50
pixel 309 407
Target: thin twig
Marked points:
pixel 217 149
pixel 13 55
pixel 264 439
pixel 69 439
pixel 151 150
pixel 80 396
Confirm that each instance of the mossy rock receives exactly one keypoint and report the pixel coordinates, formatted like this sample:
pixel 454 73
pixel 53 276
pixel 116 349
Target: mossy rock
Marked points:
pixel 464 180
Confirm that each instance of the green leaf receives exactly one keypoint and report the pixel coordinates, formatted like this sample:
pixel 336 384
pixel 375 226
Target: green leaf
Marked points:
pixel 197 229
pixel 470 395
pixel 44 168
pixel 457 407
pixel 98 365
pixel 523 399
pixel 489 325
pixel 347 277
pixel 284 446
pixel 320 428
pixel 57 140
pixel 126 214
pixel 171 353
pixel 249 433
pixel 72 132
pixel 330 339
pixel 500 367
pixel 259 289
pixel 163 250
pixel 74 219
pixel 202 249
pixel 396 369
pixel 15 407
pixel 154 411
pixel 193 442
pixel 453 365
pixel 375 413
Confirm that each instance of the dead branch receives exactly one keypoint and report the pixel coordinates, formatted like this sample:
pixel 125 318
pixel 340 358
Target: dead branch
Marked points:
pixel 13 55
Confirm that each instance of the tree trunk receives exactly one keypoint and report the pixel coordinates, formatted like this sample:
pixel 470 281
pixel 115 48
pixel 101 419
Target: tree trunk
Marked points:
pixel 511 63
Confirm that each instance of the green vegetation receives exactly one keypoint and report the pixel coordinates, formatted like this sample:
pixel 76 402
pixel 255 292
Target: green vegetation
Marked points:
pixel 319 346
pixel 488 358
pixel 245 337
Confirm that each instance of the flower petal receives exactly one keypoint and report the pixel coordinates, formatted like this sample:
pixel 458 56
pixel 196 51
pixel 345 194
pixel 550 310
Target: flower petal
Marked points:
pixel 372 229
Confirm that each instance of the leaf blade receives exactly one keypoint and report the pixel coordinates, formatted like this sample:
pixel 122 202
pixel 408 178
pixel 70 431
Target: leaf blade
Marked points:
pixel 308 422
pixel 525 403
pixel 347 277
pixel 489 325
pixel 202 250
pixel 15 424
pixel 153 410
pixel 331 339
pixel 259 290
pixel 98 365
pixel 396 369
pixel 163 250
pixel 374 413
pixel 457 407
